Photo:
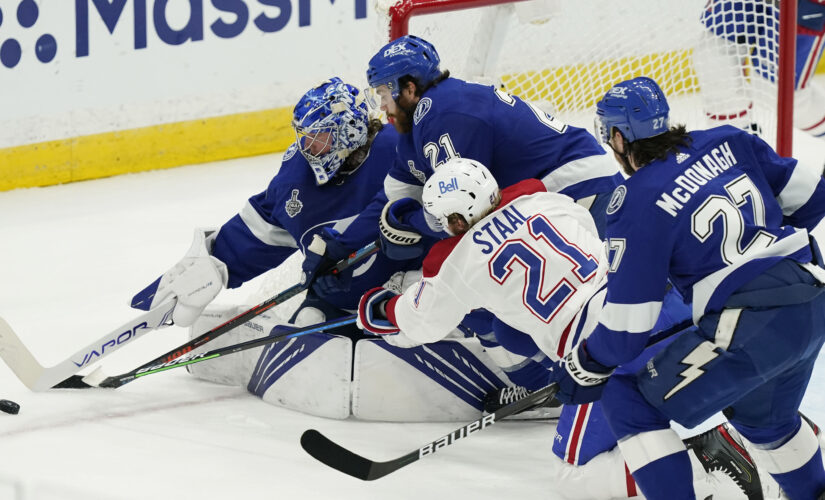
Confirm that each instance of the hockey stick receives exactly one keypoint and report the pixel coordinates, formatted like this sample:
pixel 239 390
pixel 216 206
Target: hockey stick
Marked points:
pixel 101 380
pixel 190 358
pixel 39 378
pixel 336 456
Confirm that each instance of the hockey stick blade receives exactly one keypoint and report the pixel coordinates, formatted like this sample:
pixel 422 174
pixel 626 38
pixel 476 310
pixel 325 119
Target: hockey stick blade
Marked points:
pixel 339 458
pixel 37 377
pixel 99 379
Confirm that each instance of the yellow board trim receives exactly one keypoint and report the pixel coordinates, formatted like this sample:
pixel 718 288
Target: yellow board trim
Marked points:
pixel 149 148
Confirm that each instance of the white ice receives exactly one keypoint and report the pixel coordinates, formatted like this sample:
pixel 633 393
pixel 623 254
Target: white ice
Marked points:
pixel 71 257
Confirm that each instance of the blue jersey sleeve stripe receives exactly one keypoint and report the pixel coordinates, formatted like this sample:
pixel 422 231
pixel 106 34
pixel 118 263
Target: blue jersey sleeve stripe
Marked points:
pixel 799 189
pixel 703 290
pixel 583 169
pixel 631 318
pixel 265 231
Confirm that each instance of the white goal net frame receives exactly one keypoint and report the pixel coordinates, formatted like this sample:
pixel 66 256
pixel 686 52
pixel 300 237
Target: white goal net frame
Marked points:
pixel 718 61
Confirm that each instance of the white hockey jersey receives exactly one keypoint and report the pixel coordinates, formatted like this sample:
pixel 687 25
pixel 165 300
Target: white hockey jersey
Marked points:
pixel 535 262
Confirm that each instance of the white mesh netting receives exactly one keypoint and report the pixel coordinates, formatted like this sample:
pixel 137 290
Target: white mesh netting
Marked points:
pixel 565 54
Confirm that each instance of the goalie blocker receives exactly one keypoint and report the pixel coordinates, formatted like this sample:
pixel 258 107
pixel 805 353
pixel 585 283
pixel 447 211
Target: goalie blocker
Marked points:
pixel 322 374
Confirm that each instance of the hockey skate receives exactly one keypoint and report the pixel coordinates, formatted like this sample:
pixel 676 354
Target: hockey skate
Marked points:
pixel 718 450
pixel 499 398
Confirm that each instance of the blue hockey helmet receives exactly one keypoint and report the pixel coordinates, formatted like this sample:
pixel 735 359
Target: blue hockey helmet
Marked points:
pixel 330 121
pixel 407 55
pixel 637 107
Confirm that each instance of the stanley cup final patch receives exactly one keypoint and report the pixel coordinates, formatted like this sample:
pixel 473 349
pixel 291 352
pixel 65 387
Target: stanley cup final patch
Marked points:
pixel 294 205
pixel 616 199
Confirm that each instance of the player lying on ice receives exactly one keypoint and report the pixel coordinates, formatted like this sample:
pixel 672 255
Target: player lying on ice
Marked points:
pixel 726 219
pixel 533 259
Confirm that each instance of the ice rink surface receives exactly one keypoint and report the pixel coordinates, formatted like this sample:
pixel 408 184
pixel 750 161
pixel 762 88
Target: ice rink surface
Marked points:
pixel 72 256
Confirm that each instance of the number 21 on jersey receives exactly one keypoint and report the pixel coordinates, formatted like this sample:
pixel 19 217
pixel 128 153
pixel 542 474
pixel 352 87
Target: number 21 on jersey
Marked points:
pixel 543 299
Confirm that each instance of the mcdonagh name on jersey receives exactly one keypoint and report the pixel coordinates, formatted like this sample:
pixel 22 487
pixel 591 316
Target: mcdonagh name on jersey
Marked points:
pixel 695 176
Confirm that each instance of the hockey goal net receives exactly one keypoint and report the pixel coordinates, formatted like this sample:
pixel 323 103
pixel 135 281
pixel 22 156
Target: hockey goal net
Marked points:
pixel 718 61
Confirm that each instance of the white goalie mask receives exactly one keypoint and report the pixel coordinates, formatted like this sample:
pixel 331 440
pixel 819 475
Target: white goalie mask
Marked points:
pixel 460 186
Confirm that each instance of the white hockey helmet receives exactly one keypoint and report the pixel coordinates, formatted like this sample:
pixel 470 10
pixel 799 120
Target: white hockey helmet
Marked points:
pixel 460 186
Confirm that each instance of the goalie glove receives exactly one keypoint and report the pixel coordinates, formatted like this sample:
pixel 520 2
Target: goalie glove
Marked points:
pixel 400 240
pixel 581 378
pixel 321 255
pixel 372 312
pixel 195 280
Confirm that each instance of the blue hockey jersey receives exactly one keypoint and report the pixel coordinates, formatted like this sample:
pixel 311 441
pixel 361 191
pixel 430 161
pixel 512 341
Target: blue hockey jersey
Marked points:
pixel 711 218
pixel 282 219
pixel 514 139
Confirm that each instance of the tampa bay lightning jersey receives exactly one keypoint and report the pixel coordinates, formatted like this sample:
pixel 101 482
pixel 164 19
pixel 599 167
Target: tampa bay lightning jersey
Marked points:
pixel 711 218
pixel 514 139
pixel 282 219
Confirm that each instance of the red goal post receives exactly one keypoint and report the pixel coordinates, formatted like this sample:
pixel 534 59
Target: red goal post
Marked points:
pixel 530 61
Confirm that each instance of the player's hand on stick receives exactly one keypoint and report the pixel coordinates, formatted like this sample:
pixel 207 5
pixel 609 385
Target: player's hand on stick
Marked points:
pixel 195 280
pixel 372 312
pixel 400 239
pixel 581 378
pixel 322 254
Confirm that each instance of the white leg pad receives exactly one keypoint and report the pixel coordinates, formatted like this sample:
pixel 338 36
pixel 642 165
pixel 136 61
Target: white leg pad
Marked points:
pixel 441 382
pixel 233 369
pixel 310 374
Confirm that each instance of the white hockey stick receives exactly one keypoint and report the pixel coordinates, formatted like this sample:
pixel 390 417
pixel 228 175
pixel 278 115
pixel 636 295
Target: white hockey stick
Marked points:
pixel 39 378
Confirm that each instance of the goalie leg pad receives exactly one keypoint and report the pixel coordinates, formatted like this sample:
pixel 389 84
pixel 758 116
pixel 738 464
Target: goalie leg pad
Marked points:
pixel 310 374
pixel 445 381
pixel 236 368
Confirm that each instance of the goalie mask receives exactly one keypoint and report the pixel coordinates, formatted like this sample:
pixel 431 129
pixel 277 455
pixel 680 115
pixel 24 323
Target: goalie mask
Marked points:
pixel 636 107
pixel 407 55
pixel 460 186
pixel 330 121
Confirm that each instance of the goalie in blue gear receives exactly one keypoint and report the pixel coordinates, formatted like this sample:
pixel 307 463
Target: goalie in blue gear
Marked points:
pixel 727 220
pixel 326 178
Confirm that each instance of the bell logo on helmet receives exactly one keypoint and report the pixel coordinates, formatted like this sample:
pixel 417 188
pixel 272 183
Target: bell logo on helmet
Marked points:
pixel 399 48
pixel 446 187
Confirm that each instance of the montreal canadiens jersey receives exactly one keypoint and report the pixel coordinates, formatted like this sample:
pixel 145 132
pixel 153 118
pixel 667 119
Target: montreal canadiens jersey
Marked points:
pixel 282 219
pixel 534 263
pixel 710 218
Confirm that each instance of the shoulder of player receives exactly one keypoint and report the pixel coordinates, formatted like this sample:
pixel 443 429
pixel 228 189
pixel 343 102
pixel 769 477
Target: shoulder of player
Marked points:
pixel 452 97
pixel 438 254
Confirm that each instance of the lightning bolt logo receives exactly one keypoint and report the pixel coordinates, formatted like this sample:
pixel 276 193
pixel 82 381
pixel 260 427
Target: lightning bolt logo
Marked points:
pixel 702 355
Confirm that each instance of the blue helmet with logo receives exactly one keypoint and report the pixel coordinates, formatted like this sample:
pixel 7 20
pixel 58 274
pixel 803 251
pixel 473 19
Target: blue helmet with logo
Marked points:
pixel 407 55
pixel 330 121
pixel 636 107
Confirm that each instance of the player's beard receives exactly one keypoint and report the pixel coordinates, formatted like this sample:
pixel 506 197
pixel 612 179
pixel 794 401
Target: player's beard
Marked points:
pixel 404 118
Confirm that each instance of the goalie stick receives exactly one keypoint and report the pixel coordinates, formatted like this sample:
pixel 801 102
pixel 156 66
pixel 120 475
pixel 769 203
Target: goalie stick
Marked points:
pixel 39 378
pixel 189 358
pixel 336 456
pixel 99 379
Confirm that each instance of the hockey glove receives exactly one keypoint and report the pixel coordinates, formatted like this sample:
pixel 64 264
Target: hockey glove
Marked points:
pixel 195 280
pixel 400 240
pixel 322 254
pixel 581 378
pixel 372 312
